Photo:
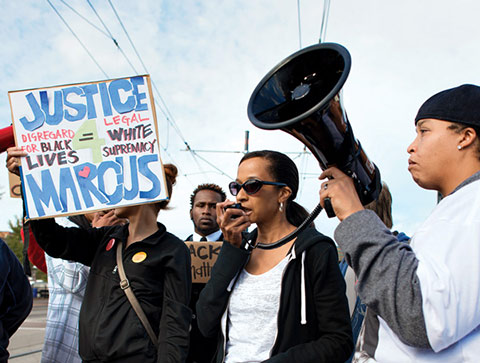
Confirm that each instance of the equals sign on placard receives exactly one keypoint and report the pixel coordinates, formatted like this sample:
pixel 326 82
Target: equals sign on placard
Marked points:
pixel 86 136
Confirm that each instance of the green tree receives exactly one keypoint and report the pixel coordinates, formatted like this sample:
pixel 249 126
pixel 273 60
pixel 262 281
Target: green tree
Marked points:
pixel 14 241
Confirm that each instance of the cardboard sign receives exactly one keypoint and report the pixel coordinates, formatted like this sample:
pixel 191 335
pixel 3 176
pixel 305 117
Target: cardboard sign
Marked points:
pixel 204 255
pixel 91 146
pixel 14 183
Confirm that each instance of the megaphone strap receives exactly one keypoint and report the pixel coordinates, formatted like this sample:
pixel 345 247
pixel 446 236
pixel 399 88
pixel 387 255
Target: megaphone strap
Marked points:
pixel 289 237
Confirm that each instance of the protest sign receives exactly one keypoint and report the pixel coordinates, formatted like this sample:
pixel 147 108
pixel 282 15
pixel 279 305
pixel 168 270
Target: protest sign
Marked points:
pixel 204 255
pixel 91 146
pixel 14 183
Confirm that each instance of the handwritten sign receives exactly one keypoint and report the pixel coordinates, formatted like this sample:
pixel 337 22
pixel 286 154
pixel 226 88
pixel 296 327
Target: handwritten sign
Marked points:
pixel 91 146
pixel 204 255
pixel 15 188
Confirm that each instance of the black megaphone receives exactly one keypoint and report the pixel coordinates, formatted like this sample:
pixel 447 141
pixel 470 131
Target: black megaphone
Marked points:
pixel 302 96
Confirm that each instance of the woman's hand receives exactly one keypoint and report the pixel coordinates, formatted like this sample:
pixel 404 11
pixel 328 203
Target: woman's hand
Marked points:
pixel 341 191
pixel 232 222
pixel 106 219
pixel 13 159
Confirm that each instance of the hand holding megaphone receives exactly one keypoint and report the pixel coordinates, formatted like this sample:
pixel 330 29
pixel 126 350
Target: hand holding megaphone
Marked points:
pixel 342 193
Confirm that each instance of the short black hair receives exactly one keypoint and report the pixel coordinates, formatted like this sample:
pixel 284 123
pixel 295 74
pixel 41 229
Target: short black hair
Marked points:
pixel 208 186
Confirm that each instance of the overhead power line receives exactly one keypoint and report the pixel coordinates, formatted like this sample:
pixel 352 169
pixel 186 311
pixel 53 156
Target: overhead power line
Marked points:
pixel 323 29
pixel 299 25
pixel 165 110
pixel 162 107
pixel 83 17
pixel 112 38
pixel 88 52
pixel 78 39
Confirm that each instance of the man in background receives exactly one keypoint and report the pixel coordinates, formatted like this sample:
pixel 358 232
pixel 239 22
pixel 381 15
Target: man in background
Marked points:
pixel 203 202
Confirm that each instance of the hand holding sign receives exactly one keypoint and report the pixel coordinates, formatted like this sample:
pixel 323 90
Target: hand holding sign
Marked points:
pixel 14 154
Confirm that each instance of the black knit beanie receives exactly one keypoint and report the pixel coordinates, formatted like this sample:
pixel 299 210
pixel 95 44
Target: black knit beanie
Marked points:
pixel 460 104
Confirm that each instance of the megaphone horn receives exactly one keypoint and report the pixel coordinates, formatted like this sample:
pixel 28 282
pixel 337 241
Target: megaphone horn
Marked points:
pixel 6 138
pixel 302 95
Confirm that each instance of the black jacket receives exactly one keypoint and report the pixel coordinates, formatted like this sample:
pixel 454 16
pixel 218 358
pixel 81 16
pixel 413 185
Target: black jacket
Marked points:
pixel 110 331
pixel 15 297
pixel 325 337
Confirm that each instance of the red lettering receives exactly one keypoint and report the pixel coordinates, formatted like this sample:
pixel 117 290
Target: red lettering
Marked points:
pixel 32 148
pixel 134 118
pixel 143 119
pixel 116 120
pixel 107 123
pixel 126 120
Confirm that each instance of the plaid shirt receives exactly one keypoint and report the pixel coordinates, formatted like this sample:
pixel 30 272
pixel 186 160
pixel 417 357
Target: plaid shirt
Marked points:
pixel 66 285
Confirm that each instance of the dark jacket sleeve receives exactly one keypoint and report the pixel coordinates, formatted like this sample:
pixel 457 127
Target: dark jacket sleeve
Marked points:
pixel 176 315
pixel 15 297
pixel 74 244
pixel 386 271
pixel 334 342
pixel 213 299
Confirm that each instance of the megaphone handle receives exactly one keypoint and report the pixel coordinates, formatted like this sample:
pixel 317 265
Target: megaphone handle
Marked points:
pixel 327 203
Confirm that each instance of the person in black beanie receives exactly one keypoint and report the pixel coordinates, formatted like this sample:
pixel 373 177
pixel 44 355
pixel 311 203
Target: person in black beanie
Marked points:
pixel 426 294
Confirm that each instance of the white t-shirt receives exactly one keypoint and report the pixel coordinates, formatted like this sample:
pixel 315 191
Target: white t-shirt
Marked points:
pixel 252 315
pixel 447 246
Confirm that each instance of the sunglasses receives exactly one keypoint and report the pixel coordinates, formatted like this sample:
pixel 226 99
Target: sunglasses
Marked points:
pixel 251 186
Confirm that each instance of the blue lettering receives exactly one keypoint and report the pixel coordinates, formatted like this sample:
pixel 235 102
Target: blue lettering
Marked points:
pixel 80 108
pixel 145 171
pixel 136 81
pixel 132 193
pixel 71 111
pixel 114 88
pixel 89 90
pixel 57 107
pixel 85 173
pixel 67 182
pixel 107 108
pixel 39 116
pixel 117 195
pixel 44 195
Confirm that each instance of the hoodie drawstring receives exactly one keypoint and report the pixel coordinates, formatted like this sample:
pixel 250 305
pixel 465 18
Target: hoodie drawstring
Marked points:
pixel 303 307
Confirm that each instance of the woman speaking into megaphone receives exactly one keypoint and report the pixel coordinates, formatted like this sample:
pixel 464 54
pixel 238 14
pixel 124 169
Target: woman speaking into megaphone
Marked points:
pixel 427 294
pixel 282 304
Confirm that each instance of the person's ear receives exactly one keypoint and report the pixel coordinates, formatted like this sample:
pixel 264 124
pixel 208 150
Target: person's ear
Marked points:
pixel 468 137
pixel 191 215
pixel 285 193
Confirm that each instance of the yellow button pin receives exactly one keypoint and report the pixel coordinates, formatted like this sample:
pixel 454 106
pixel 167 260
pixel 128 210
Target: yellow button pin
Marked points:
pixel 139 257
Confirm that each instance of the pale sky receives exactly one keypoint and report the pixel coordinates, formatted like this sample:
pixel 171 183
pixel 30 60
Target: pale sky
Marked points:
pixel 206 58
